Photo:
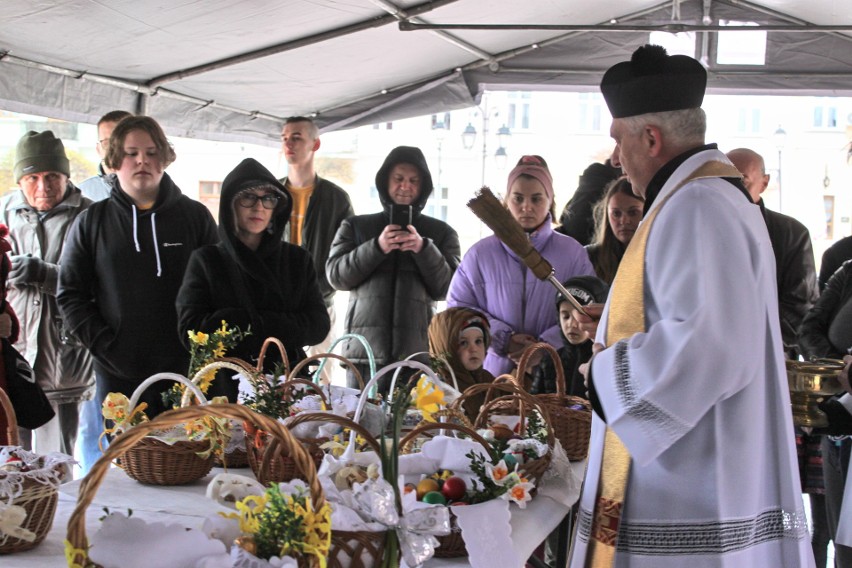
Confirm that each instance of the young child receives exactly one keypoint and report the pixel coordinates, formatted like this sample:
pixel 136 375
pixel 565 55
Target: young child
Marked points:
pixel 578 345
pixel 461 337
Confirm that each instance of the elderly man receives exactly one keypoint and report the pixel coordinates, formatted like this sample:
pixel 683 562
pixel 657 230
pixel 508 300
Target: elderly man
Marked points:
pixel 319 207
pixel 97 187
pixel 39 217
pixel 791 243
pixel 692 460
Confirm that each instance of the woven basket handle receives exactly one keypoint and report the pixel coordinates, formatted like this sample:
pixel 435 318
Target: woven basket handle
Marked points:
pixel 371 358
pixel 289 385
pixel 523 397
pixel 557 363
pixel 134 399
pixel 323 356
pixel 409 438
pixel 76 533
pixel 215 365
pixel 283 350
pixel 11 420
pixel 355 430
pixel 362 401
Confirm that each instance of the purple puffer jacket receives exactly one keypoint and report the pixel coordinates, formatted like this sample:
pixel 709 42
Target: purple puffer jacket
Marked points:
pixel 493 280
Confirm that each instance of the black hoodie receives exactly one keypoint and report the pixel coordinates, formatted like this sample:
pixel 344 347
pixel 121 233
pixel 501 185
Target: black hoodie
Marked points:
pixel 119 275
pixel 273 289
pixel 392 296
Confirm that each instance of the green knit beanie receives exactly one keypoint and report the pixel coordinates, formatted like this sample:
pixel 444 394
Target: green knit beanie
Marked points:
pixel 40 152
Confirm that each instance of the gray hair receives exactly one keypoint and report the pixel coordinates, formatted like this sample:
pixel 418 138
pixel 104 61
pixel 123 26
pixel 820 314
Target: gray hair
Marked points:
pixel 680 128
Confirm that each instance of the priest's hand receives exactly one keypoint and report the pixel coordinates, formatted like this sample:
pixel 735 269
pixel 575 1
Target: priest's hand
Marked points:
pixel 589 322
pixel 586 368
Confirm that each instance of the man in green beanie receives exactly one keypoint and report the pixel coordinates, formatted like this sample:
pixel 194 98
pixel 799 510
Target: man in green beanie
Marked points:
pixel 38 217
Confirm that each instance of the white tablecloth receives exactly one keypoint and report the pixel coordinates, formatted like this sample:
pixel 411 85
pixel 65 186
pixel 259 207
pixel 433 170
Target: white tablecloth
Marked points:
pixel 187 505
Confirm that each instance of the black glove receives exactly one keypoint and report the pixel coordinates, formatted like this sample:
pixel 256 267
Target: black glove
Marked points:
pixel 27 270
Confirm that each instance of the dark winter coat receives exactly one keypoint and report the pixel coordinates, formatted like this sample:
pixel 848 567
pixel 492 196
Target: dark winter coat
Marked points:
pixel 328 206
pixel 119 276
pixel 832 258
pixel 273 289
pixel 827 328
pixel 795 273
pixel 392 296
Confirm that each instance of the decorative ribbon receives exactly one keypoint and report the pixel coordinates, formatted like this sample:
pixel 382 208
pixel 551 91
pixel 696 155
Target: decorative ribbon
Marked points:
pixel 627 317
pixel 12 518
pixel 416 529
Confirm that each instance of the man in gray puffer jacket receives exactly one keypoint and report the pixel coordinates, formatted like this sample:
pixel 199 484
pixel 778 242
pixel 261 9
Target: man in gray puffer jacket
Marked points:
pixel 395 273
pixel 39 217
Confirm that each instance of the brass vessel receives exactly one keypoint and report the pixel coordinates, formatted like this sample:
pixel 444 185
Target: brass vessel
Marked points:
pixel 811 382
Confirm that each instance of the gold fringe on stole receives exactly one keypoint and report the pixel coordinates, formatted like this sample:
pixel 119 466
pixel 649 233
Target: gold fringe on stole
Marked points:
pixel 626 317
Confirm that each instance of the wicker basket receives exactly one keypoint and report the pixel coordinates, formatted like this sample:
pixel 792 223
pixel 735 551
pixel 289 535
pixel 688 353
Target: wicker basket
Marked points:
pixel 451 545
pixel 154 462
pixel 570 416
pixel 280 467
pixel 518 402
pixel 38 499
pixel 349 549
pixel 76 534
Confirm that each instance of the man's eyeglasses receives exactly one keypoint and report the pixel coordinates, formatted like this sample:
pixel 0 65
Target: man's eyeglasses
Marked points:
pixel 248 200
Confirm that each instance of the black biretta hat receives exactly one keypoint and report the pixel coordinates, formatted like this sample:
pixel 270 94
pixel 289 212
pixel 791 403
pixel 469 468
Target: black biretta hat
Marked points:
pixel 653 81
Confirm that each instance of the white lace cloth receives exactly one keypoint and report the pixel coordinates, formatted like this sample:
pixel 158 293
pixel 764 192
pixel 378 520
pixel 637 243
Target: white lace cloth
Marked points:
pixel 50 469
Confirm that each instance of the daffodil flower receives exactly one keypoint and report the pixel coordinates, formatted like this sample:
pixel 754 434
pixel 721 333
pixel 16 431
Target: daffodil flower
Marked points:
pixel 519 493
pixel 498 473
pixel 428 398
pixel 199 337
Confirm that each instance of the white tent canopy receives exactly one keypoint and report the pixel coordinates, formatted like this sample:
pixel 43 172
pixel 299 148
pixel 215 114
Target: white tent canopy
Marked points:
pixel 233 70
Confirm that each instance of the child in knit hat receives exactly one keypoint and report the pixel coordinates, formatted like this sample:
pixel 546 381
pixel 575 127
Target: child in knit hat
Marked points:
pixel 577 348
pixel 459 337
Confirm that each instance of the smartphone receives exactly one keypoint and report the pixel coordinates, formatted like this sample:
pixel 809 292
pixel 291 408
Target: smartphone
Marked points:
pixel 400 215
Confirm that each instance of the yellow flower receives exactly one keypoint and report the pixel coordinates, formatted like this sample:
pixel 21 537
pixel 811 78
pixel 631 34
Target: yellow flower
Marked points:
pixel 249 510
pixel 316 526
pixel 71 555
pixel 115 406
pixel 223 331
pixel 219 400
pixel 199 337
pixel 219 351
pixel 428 398
pixel 206 380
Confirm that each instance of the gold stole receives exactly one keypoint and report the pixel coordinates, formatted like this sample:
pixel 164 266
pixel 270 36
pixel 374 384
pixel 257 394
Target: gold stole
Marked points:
pixel 627 317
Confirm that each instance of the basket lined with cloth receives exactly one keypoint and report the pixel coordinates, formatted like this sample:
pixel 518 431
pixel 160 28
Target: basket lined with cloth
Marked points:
pixel 28 489
pixel 77 544
pixel 570 416
pixel 163 458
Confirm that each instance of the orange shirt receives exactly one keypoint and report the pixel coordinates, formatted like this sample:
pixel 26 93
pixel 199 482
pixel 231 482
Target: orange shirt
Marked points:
pixel 301 196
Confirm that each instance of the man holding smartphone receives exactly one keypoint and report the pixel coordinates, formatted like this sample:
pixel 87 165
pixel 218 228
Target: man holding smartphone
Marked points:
pixel 396 264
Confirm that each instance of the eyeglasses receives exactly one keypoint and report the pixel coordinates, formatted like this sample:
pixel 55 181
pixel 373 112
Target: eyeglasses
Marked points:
pixel 248 200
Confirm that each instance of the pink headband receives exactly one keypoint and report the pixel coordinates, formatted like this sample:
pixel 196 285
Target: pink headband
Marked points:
pixel 532 166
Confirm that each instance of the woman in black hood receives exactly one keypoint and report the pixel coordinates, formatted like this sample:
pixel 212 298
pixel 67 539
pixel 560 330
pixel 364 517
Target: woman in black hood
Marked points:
pixel 253 278
pixel 394 274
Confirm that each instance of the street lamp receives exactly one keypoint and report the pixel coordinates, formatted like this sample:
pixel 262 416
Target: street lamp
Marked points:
pixel 503 134
pixel 780 139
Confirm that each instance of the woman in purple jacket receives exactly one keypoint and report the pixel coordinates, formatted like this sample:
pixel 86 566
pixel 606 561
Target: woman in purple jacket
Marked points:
pixel 493 280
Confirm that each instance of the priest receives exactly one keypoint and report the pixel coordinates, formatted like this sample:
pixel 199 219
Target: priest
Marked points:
pixel 692 460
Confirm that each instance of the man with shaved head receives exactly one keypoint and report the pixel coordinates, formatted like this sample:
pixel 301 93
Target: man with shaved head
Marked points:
pixel 791 243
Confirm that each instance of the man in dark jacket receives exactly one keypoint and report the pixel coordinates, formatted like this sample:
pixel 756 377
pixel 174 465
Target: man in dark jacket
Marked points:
pixel 578 219
pixel 124 261
pixel 794 255
pixel 395 274
pixel 319 207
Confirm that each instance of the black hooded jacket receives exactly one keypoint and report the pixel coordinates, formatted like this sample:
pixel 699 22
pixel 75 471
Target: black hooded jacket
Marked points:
pixel 273 289
pixel 119 275
pixel 392 296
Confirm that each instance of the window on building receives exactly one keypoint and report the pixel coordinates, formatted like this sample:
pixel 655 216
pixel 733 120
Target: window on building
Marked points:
pixel 210 189
pixel 518 115
pixel 438 204
pixel 749 121
pixel 825 116
pixel 589 112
